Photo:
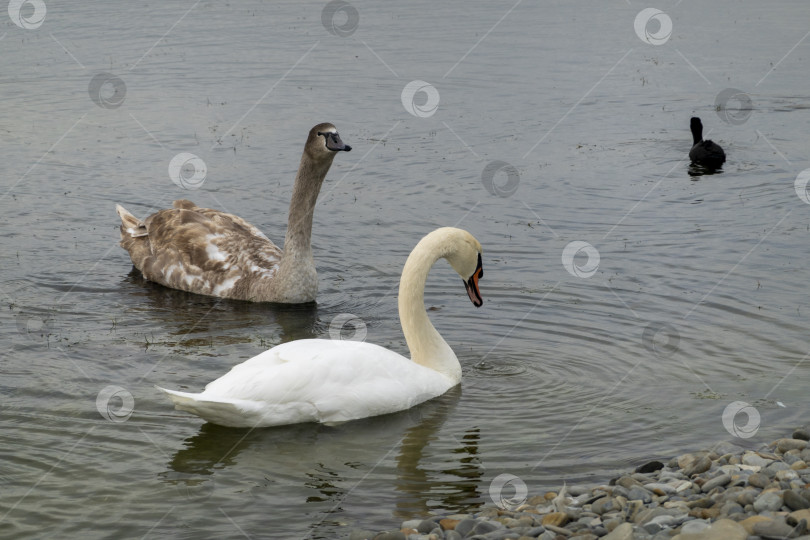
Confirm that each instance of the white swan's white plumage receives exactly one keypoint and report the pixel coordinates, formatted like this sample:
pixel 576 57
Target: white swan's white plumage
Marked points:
pixel 331 381
pixel 211 252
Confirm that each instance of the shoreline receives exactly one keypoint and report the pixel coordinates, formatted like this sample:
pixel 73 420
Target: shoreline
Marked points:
pixel 725 492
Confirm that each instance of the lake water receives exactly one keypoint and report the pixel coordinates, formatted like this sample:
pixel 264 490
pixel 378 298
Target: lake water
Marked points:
pixel 572 372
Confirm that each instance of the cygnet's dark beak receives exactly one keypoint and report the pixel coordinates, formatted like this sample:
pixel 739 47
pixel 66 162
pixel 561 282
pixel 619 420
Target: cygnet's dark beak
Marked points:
pixel 472 284
pixel 334 143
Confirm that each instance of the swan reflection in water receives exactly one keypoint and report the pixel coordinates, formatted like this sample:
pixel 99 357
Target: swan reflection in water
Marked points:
pixel 188 320
pixel 326 470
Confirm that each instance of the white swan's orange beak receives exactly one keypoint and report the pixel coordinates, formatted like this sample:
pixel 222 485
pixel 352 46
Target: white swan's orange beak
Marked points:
pixel 472 284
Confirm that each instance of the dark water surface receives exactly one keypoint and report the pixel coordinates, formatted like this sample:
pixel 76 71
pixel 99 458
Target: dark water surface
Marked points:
pixel 700 296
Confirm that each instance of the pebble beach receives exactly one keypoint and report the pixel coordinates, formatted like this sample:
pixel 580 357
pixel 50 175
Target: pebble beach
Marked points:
pixel 724 492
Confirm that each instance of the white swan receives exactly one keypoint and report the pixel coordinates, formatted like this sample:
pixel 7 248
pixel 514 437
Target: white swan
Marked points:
pixel 320 380
pixel 210 252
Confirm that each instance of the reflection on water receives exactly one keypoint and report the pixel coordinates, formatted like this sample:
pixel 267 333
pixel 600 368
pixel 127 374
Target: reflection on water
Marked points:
pixel 312 456
pixel 696 171
pixel 187 316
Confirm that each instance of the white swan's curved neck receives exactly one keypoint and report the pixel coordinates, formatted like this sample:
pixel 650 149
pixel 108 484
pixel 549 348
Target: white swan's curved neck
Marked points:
pixel 427 347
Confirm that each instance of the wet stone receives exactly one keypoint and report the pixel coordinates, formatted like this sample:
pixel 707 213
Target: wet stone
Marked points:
pixel 649 467
pixel 801 434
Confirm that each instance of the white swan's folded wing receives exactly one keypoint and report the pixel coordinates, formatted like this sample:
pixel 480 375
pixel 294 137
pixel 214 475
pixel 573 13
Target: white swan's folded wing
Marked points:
pixel 314 380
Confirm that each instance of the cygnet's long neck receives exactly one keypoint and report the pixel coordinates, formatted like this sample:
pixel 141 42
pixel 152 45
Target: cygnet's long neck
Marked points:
pixel 311 172
pixel 427 347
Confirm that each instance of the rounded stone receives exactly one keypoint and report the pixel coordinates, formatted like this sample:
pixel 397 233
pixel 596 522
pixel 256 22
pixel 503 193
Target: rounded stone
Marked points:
pixel 775 528
pixel 426 525
pixel 700 466
pixel 650 467
pixel 604 505
pixel 749 523
pixel 464 526
pixel 717 481
pixel 695 526
pixel 622 532
pixel 768 501
pixel 638 493
pixel 391 535
pixel 794 501
pixel 801 434
pixel 484 527
pixel 759 480
pixel 722 529
pixel 751 458
pixel 557 519
pixel 784 445
pixel 786 475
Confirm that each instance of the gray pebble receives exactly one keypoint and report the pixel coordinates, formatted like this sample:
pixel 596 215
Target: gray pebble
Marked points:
pixel 604 505
pixel 700 466
pixel 426 526
pixel 794 501
pixel 759 480
pixel 465 526
pixel 718 481
pixel 391 535
pixel 801 433
pixel 751 458
pixel 638 493
pixel 484 527
pixel 777 529
pixel 360 534
pixel 768 501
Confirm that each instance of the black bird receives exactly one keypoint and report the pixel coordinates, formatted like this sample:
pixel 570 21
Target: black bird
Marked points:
pixel 706 153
